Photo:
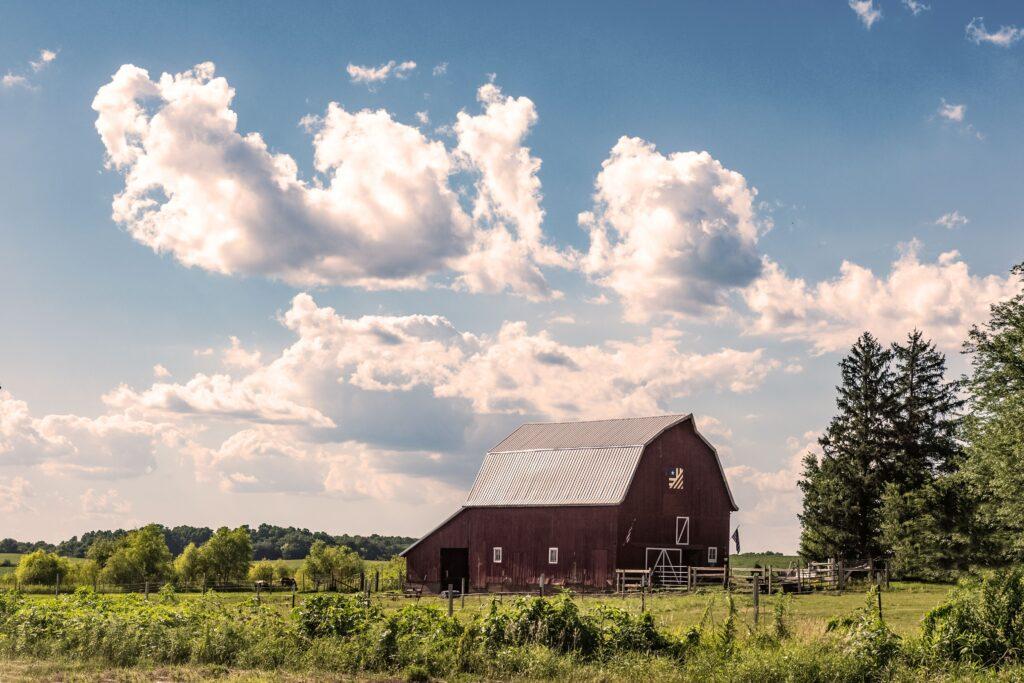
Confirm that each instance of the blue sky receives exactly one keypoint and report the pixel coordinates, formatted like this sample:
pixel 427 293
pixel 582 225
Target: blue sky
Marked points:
pixel 894 148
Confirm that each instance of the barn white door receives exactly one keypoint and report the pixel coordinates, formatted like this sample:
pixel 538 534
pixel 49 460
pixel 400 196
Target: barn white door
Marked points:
pixel 666 565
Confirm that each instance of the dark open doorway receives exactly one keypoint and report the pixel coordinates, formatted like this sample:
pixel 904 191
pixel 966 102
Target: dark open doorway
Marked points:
pixel 454 568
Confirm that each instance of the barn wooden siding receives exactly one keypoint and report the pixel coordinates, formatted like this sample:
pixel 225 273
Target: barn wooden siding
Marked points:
pixel 584 536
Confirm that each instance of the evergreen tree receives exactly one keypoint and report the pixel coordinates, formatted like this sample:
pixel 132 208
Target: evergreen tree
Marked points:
pixel 925 514
pixel 926 415
pixel 995 431
pixel 842 493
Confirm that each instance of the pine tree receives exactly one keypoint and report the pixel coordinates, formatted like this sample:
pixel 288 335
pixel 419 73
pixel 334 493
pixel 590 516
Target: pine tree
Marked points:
pixel 925 511
pixel 926 415
pixel 843 492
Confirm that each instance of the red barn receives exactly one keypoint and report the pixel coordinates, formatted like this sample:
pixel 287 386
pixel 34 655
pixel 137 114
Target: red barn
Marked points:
pixel 574 501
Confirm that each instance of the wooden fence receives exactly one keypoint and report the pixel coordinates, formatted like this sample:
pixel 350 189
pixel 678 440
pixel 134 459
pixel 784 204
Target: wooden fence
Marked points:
pixel 798 577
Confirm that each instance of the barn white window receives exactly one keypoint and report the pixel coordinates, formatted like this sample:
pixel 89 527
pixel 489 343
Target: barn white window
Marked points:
pixel 682 531
pixel 496 553
pixel 552 555
pixel 712 555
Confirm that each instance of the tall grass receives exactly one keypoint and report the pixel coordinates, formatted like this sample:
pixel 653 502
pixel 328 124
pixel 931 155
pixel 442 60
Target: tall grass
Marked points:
pixel 537 638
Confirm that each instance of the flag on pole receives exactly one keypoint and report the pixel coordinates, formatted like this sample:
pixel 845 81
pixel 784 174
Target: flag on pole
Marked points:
pixel 736 538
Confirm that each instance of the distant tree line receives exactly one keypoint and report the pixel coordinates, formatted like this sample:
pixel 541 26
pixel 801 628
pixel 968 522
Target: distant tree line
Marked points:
pixel 141 559
pixel 268 542
pixel 922 470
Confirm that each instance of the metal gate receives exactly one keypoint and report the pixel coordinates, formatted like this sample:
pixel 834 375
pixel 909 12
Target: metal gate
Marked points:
pixel 667 569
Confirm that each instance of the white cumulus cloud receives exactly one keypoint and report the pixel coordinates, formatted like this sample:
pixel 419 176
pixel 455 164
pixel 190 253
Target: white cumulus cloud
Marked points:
pixel 942 298
pixel 379 214
pixel 671 234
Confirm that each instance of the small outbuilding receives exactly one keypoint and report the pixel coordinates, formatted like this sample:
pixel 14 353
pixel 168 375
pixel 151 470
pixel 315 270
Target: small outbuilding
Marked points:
pixel 570 503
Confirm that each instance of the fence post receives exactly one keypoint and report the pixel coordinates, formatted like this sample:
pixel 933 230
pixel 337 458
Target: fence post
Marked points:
pixel 540 586
pixel 376 581
pixel 293 595
pixel 451 599
pixel 756 583
pixel 462 594
pixel 146 588
pixel 840 567
pixel 879 592
pixel 257 586
pixel 799 581
pixel 769 579
pixel 643 594
pixel 56 586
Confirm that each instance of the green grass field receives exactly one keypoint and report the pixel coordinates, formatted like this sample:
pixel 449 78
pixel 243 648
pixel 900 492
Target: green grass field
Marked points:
pixel 762 560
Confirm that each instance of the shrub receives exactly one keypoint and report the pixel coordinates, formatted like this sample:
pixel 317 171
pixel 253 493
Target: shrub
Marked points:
pixel 41 567
pixel 335 615
pixel 866 638
pixel 262 571
pixel 983 620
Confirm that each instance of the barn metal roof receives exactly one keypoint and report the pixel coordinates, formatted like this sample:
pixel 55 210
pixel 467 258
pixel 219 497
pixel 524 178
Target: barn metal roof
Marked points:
pixel 634 431
pixel 567 476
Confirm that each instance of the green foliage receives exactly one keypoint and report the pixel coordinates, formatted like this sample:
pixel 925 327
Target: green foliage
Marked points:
pixel 983 620
pixel 41 567
pixel 101 550
pixel 141 556
pixel 335 615
pixel 533 638
pixel 333 567
pixel 225 557
pixel 865 636
pixel 926 530
pixel 780 617
pixel 282 571
pixel 189 566
pixel 995 431
pixel 269 542
pixel 262 571
pixel 557 623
